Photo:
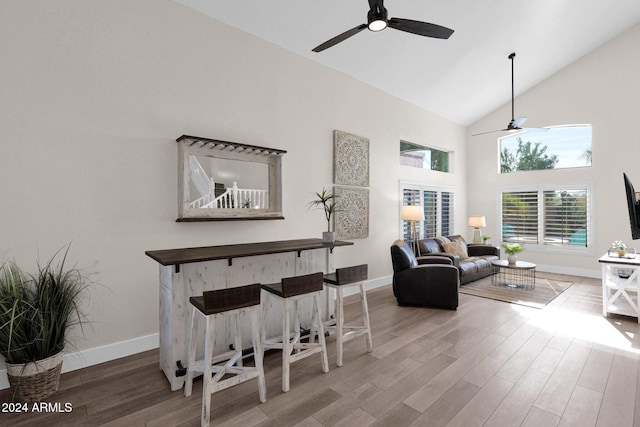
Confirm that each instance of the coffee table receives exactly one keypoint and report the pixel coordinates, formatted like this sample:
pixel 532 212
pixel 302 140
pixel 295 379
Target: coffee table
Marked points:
pixel 521 274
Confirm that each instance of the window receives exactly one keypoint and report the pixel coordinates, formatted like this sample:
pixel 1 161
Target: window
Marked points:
pixel 422 157
pixel 549 148
pixel 549 217
pixel 437 204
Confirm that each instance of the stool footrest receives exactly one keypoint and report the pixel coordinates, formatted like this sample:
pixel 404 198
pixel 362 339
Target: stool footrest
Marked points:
pixel 306 352
pixel 240 378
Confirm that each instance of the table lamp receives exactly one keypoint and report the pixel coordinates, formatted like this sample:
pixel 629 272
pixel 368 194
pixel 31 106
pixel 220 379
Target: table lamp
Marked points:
pixel 476 222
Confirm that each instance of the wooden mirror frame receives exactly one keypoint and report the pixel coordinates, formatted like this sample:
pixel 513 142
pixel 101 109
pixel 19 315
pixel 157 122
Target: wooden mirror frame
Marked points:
pixel 207 147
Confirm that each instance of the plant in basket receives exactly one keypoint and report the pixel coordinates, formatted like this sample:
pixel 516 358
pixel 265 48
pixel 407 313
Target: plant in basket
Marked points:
pixel 36 312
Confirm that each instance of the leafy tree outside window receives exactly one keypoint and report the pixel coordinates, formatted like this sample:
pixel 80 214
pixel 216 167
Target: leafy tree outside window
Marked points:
pixel 529 156
pixel 423 157
pixel 552 148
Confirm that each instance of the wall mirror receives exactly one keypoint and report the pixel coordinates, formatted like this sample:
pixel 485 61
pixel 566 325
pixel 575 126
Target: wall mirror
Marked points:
pixel 221 180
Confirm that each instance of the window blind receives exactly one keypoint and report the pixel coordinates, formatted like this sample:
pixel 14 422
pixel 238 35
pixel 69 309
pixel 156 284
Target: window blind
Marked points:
pixel 520 217
pixel 410 197
pixel 430 213
pixel 565 217
pixel 447 213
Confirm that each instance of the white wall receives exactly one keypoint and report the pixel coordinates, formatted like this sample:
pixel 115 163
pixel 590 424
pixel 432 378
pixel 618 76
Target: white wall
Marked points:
pixel 601 89
pixel 94 95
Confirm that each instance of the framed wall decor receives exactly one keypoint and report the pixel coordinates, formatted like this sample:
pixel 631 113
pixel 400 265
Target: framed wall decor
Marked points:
pixel 351 159
pixel 352 217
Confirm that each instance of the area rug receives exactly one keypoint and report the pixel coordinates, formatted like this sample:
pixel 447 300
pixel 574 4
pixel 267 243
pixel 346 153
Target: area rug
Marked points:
pixel 546 290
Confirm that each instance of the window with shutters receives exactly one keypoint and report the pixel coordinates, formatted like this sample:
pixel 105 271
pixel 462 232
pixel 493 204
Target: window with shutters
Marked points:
pixel 437 204
pixel 548 218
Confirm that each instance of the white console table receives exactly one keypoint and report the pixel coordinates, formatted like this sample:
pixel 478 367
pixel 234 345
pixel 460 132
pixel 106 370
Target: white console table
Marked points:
pixel 620 284
pixel 191 271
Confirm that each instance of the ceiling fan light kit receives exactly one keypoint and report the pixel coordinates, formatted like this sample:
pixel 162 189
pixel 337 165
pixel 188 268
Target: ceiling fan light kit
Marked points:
pixel 378 19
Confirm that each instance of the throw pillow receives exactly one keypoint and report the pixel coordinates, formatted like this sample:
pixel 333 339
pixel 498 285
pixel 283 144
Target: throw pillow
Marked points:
pixel 456 248
pixel 442 240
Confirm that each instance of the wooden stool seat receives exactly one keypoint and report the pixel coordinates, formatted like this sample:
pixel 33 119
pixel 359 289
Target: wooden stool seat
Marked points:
pixel 342 278
pixel 233 303
pixel 290 290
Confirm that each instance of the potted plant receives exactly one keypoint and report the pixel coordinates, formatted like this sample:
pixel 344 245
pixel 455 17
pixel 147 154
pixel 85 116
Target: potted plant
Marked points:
pixel 485 239
pixel 620 247
pixel 327 202
pixel 36 311
pixel 512 249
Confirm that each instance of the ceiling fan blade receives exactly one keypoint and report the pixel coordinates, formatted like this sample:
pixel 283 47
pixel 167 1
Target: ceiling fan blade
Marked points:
pixel 339 38
pixel 491 131
pixel 420 28
pixel 536 129
pixel 519 122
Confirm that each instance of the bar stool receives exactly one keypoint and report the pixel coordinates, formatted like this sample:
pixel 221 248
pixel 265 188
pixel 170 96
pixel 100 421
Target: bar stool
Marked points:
pixel 342 278
pixel 290 291
pixel 214 305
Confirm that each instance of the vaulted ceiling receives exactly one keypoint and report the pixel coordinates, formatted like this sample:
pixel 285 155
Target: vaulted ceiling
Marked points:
pixel 463 78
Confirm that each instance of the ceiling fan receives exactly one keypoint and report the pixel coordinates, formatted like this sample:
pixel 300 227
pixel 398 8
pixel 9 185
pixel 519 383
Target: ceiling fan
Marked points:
pixel 514 124
pixel 377 21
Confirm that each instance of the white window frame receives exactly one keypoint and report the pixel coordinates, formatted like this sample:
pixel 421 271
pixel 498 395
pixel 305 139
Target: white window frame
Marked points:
pixel 422 188
pixel 589 250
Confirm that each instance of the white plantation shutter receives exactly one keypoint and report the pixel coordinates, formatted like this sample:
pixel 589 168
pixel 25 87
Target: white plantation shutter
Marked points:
pixel 565 217
pixel 430 205
pixel 447 214
pixel 410 197
pixel 548 217
pixel 437 204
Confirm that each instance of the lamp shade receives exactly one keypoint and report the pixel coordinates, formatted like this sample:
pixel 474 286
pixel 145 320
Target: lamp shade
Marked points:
pixel 412 213
pixel 477 221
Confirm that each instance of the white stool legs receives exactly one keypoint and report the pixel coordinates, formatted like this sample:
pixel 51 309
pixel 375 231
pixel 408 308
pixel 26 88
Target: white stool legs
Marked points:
pixel 212 374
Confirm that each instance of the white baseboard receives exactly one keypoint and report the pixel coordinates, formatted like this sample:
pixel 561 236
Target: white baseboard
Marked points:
pixel 94 356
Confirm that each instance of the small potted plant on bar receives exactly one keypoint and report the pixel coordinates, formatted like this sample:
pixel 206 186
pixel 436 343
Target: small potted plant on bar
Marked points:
pixel 512 249
pixel 327 202
pixel 36 311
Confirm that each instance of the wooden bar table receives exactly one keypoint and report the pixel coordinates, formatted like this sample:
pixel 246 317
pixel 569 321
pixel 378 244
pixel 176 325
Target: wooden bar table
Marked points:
pixel 189 272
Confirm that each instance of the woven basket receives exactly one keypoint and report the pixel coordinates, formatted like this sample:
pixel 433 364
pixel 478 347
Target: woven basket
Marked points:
pixel 35 381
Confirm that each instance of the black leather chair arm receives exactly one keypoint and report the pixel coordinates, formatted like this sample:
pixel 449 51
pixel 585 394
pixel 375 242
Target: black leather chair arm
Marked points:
pixel 479 250
pixel 455 259
pixel 434 259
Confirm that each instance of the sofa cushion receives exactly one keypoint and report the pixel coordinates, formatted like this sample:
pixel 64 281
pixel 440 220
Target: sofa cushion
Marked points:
pixel 468 267
pixel 429 246
pixel 456 248
pixel 483 264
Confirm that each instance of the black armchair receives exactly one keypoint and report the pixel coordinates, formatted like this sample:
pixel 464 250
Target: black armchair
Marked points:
pixel 432 282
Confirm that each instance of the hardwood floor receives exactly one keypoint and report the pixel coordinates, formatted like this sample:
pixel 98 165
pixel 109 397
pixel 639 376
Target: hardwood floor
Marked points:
pixel 488 364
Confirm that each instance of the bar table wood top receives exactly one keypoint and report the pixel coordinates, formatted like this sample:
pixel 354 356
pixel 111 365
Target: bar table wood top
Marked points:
pixel 207 253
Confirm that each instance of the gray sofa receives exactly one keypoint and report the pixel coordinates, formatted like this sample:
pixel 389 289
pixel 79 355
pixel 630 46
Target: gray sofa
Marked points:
pixel 473 267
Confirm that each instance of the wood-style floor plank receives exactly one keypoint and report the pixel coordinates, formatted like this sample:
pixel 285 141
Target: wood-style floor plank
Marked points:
pixel 620 394
pixel 487 364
